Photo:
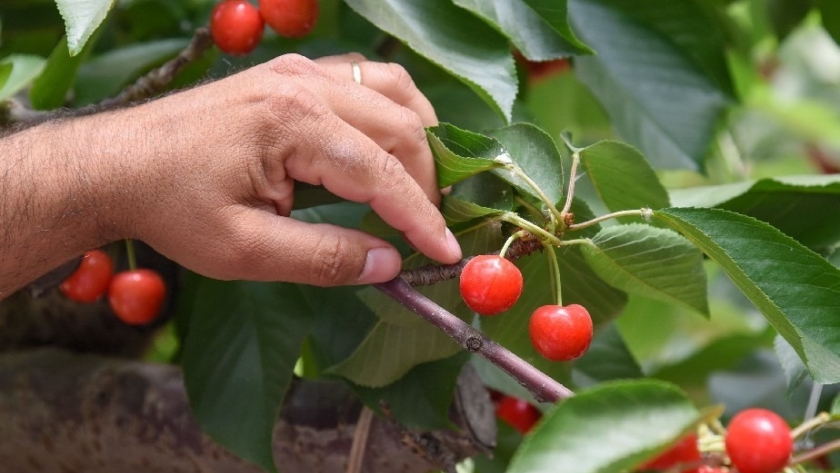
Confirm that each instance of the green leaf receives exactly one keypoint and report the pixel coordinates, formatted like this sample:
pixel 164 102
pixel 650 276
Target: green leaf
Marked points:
pixel 556 14
pixel 611 427
pixel 452 38
pixel 649 261
pixel 794 369
pixel 24 69
pixel 537 154
pixel 785 15
pixel 460 154
pixel 5 73
pixel 797 290
pixel 607 359
pixel 830 14
pixel 105 75
pixel 657 97
pixel 699 29
pixel 478 196
pixel 806 208
pixel 400 339
pixel 240 351
pixel 622 177
pixel 532 34
pixel 421 398
pixel 81 19
pixel 50 88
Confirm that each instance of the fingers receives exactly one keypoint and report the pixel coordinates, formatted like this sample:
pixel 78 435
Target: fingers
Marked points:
pixel 391 111
pixel 350 165
pixel 394 82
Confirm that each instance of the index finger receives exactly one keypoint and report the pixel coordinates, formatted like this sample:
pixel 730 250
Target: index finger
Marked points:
pixel 351 165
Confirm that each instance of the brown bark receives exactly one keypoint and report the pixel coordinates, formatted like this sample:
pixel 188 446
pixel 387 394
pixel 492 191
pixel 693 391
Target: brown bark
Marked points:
pixel 68 413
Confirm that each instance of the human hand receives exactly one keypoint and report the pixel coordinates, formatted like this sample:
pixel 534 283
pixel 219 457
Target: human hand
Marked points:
pixel 214 188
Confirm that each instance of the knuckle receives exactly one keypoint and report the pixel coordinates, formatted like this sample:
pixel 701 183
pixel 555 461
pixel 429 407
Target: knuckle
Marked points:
pixel 330 263
pixel 401 77
pixel 293 65
pixel 392 173
pixel 293 104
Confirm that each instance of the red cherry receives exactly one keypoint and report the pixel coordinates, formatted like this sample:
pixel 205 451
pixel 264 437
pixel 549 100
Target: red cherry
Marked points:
pixel 137 296
pixel 683 452
pixel 236 26
pixel 758 441
pixel 490 284
pixel 520 414
pixel 561 333
pixel 90 280
pixel 290 18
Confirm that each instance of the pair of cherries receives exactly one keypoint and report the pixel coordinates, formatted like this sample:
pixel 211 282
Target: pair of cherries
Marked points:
pixel 237 25
pixel 491 284
pixel 135 296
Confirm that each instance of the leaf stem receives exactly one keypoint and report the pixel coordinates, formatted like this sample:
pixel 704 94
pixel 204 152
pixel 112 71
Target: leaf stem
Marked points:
pixel 555 216
pixel 515 219
pixel 644 213
pixel 570 188
pixel 543 387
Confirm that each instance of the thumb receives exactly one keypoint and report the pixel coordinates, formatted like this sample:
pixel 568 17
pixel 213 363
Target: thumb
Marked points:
pixel 284 249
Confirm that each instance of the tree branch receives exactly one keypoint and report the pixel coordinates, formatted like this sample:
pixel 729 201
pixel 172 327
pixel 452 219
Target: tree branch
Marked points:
pixel 158 79
pixel 543 387
pixel 433 274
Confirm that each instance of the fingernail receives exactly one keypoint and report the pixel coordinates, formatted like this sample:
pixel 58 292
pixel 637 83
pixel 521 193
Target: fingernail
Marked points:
pixel 454 247
pixel 381 264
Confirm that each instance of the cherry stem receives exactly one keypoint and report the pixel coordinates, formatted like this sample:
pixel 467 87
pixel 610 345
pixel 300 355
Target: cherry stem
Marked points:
pixel 542 386
pixel 570 188
pixel 816 452
pixel 510 240
pixel 644 213
pixel 555 274
pixel 132 258
pixel 810 424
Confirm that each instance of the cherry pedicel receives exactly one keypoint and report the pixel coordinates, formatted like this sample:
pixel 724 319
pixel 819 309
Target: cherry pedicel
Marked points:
pixel 561 333
pixel 758 441
pixel 290 18
pixel 90 280
pixel 136 296
pixel 236 26
pixel 683 452
pixel 490 284
pixel 520 414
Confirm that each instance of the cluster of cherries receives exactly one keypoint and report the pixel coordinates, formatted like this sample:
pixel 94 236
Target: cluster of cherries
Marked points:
pixel 237 25
pixel 135 296
pixel 491 284
pixel 757 441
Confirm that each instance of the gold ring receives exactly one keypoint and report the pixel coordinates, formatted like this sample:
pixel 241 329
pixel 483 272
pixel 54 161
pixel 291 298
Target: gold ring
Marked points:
pixel 357 72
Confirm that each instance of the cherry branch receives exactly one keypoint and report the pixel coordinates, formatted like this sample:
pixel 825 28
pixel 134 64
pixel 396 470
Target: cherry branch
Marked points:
pixel 156 81
pixel 149 85
pixel 433 274
pixel 542 386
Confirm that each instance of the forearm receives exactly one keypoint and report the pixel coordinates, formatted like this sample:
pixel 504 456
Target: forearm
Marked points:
pixel 59 183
